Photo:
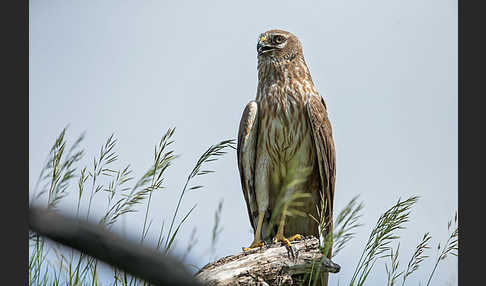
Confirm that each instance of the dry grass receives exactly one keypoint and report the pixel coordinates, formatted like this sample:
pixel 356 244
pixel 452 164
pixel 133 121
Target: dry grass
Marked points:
pixel 124 196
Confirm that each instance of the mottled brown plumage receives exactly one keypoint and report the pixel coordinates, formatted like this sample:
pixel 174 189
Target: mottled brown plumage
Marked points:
pixel 285 135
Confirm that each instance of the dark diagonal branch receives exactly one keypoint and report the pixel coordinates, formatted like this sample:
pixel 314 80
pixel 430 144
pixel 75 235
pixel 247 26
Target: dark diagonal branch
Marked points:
pixel 92 239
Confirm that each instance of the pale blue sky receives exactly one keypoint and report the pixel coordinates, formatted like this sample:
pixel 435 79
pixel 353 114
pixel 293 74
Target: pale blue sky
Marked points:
pixel 386 69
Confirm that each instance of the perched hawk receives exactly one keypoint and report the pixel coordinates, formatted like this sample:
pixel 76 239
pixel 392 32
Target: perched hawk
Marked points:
pixel 285 145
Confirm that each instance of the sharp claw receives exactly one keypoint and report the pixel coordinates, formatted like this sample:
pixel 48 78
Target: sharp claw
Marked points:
pixel 295 251
pixel 291 252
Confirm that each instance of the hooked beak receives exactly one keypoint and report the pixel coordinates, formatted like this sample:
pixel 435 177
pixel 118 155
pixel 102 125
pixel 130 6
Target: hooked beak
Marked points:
pixel 262 47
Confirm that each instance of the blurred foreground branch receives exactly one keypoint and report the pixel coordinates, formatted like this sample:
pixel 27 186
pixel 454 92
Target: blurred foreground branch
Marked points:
pixel 270 265
pixel 94 240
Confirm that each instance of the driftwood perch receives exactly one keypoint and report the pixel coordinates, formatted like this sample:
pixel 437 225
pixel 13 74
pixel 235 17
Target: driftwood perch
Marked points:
pixel 269 265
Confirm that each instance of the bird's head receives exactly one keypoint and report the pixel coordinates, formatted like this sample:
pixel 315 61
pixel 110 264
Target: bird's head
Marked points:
pixel 278 45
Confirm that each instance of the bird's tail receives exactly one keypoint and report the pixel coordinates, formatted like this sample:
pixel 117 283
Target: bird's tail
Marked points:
pixel 268 230
pixel 324 277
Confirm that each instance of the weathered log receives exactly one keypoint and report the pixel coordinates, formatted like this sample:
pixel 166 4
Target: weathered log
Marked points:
pixel 269 265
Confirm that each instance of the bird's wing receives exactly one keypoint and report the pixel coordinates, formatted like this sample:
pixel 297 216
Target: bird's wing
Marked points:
pixel 246 154
pixel 326 154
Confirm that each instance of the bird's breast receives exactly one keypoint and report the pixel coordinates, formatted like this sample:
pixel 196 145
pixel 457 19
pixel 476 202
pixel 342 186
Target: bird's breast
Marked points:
pixel 284 127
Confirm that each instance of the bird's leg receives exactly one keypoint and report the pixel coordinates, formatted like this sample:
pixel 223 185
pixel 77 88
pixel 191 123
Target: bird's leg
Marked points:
pixel 280 234
pixel 257 241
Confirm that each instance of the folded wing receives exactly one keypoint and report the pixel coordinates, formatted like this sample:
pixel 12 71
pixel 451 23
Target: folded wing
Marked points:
pixel 326 154
pixel 246 155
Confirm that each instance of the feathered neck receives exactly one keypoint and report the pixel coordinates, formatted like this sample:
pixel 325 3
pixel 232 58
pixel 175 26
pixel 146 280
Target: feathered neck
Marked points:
pixel 283 72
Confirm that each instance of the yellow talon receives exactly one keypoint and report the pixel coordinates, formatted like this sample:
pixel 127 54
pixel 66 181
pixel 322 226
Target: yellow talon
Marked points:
pixel 290 249
pixel 280 236
pixel 257 241
pixel 295 237
pixel 285 240
pixel 254 244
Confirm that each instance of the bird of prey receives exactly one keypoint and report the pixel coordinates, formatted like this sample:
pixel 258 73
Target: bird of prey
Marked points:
pixel 285 146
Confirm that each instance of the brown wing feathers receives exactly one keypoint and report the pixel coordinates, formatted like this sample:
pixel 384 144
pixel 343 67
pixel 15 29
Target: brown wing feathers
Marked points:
pixel 246 155
pixel 322 135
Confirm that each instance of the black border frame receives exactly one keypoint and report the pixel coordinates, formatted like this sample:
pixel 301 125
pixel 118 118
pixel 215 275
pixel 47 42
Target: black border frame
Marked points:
pixel 15 86
pixel 16 80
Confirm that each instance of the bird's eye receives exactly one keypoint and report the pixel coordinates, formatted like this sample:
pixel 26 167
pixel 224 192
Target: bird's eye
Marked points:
pixel 279 39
